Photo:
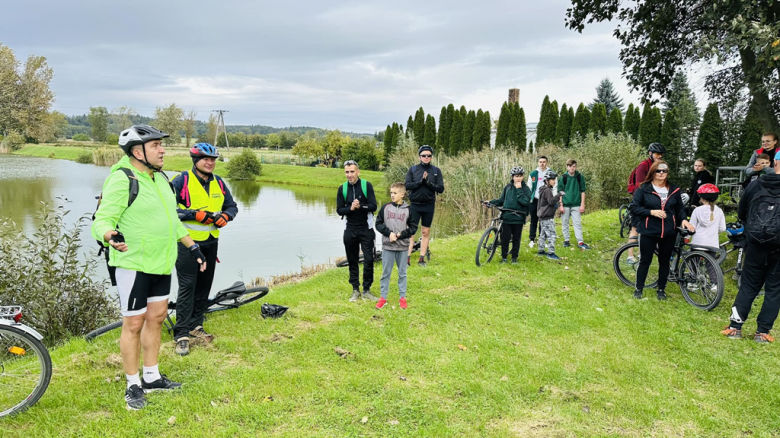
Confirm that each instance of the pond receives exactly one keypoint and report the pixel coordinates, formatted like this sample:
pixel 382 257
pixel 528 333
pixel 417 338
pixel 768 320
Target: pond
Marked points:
pixel 278 229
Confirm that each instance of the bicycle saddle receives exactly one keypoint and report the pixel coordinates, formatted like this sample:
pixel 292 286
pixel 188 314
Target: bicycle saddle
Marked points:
pixel 237 288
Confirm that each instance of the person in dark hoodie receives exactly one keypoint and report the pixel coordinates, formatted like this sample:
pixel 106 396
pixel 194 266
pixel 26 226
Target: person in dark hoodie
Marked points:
pixel 423 181
pixel 548 203
pixel 762 260
pixel 703 176
pixel 516 197
pixel 396 225
pixel 355 200
pixel 658 209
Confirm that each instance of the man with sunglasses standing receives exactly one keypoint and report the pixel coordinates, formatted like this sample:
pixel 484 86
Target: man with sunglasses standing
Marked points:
pixel 355 200
pixel 423 181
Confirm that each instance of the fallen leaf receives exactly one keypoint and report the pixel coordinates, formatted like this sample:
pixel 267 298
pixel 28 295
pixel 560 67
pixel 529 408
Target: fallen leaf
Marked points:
pixel 566 268
pixel 504 378
pixel 342 352
pixel 599 309
pixel 586 409
pixel 566 288
pixel 364 420
pixel 268 398
pixel 108 380
pixel 516 343
pixel 462 347
pixel 172 420
pixel 117 378
pixel 393 422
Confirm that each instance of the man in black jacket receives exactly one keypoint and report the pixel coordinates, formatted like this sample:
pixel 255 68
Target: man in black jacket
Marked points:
pixel 423 181
pixel 761 266
pixel 355 200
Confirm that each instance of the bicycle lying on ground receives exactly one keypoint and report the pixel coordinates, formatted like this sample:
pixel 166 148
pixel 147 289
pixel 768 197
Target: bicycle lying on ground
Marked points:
pixel 25 364
pixel 694 269
pixel 378 254
pixel 231 298
pixel 491 238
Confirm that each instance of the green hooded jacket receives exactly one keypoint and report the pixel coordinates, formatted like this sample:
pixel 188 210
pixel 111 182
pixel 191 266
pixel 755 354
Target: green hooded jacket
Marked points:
pixel 514 199
pixel 151 225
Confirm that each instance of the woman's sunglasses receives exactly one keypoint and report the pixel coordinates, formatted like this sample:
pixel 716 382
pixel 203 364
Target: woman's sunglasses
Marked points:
pixel 662 171
pixel 426 156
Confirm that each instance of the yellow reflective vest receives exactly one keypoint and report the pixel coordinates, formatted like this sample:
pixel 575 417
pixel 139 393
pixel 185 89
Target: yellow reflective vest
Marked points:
pixel 200 200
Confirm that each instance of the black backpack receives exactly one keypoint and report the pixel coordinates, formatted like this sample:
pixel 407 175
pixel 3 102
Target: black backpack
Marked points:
pixel 763 222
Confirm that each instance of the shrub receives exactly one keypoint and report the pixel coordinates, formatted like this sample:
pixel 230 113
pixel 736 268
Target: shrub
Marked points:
pixel 46 274
pixel 52 155
pixel 244 166
pixel 107 156
pixel 14 141
pixel 112 139
pixel 82 137
pixel 84 158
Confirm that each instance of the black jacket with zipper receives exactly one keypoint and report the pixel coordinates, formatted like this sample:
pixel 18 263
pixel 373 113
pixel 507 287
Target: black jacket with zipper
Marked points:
pixel 646 199
pixel 423 191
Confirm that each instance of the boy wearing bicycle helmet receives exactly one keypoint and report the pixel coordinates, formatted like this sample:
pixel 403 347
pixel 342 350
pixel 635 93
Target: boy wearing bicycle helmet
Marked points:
pixel 205 205
pixel 548 203
pixel 516 196
pixel 708 218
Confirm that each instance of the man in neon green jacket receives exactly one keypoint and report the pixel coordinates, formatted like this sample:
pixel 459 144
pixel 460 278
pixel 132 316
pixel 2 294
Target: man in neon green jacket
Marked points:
pixel 140 224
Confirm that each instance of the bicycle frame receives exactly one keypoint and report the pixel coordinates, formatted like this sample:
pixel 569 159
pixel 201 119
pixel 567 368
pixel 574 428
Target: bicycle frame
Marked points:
pixel 7 314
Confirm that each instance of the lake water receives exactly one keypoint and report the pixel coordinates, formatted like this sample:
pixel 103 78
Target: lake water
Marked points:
pixel 278 227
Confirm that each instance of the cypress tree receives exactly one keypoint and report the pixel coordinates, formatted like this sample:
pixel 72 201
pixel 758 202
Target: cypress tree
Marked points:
pixel 463 112
pixel 571 124
pixel 598 120
pixel 389 146
pixel 479 131
pixel 709 145
pixel 504 120
pixel 444 131
pixel 456 133
pixel 410 127
pixel 398 132
pixel 657 123
pixel 615 121
pixel 543 128
pixel 419 126
pixel 645 128
pixel 531 146
pixel 631 126
pixel 554 116
pixel 750 134
pixel 487 128
pixel 563 129
pixel 522 133
pixel 468 129
pixel 430 131
pixel 671 138
pixel 450 118
pixel 579 127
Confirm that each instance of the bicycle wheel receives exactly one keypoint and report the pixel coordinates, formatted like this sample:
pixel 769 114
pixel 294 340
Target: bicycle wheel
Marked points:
pixel 622 213
pixel 25 370
pixel 625 227
pixel 701 280
pixel 487 246
pixel 251 294
pixel 626 271
pixel 105 329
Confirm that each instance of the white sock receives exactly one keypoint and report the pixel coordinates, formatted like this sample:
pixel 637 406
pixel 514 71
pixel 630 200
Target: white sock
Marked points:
pixel 151 373
pixel 133 379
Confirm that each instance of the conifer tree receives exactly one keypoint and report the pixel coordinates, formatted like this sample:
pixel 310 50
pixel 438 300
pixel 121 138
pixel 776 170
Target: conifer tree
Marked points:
pixel 645 126
pixel 487 129
pixel 430 131
pixel 479 131
pixel 709 145
pixel 504 120
pixel 398 132
pixel 598 120
pixel 531 146
pixel 631 124
pixel 563 129
pixel 389 146
pixel 514 126
pixel 579 127
pixel 522 132
pixel 419 126
pixel 606 94
pixel 544 127
pixel 456 134
pixel 615 122
pixel 442 137
pixel 554 116
pixel 410 127
pixel 468 130
pixel 750 134
pixel 671 138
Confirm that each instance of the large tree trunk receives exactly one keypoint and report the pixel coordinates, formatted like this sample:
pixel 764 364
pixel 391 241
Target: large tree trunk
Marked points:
pixel 755 84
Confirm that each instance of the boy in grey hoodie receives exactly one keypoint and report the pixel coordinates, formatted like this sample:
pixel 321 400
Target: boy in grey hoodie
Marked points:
pixel 396 225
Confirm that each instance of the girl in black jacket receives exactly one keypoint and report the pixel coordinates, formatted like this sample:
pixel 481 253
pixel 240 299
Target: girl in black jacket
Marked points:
pixel 658 210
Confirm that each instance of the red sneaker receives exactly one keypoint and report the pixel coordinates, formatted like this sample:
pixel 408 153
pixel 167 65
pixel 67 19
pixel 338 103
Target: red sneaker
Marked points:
pixel 381 303
pixel 402 303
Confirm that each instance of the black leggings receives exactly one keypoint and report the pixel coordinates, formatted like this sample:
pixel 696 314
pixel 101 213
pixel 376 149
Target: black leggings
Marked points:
pixel 510 232
pixel 647 247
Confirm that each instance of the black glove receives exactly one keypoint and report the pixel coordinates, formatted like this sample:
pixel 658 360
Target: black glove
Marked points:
pixel 196 254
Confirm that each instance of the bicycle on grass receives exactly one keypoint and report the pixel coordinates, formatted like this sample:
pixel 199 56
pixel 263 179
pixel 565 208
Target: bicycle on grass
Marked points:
pixel 231 298
pixel 737 240
pixel 624 218
pixel 491 238
pixel 25 364
pixel 694 269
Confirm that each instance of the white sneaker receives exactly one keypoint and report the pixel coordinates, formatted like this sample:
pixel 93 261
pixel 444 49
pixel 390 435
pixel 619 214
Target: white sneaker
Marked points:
pixel 531 244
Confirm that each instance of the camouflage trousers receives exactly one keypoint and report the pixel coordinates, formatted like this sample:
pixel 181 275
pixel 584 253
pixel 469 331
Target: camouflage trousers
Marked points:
pixel 547 234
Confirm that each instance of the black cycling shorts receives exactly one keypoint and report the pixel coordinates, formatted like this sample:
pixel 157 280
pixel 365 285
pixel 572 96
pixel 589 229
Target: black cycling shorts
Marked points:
pixel 425 213
pixel 137 289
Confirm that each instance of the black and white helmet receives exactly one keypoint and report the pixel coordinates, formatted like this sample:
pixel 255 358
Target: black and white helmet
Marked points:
pixel 517 170
pixel 550 175
pixel 138 135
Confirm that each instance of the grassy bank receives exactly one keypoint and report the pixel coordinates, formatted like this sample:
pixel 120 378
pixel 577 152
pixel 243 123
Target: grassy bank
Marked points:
pixel 539 349
pixel 276 173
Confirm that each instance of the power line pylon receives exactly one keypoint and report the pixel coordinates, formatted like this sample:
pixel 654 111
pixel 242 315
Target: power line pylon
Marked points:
pixel 221 123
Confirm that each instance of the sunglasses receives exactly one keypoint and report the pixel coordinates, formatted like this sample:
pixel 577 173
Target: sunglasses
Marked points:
pixel 662 171
pixel 426 156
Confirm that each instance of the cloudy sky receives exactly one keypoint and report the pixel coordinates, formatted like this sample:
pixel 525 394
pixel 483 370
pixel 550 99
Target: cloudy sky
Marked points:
pixel 351 65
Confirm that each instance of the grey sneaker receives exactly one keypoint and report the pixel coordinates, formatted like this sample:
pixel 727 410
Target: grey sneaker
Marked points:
pixel 161 384
pixel 367 295
pixel 135 399
pixel 202 334
pixel 182 347
pixel 355 296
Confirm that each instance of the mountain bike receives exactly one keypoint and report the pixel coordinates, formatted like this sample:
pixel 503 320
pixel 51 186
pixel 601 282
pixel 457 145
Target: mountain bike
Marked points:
pixel 694 269
pixel 25 364
pixel 624 218
pixel 342 263
pixel 231 298
pixel 491 238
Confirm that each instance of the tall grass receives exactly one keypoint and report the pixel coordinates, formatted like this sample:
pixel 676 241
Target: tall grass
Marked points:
pixel 107 156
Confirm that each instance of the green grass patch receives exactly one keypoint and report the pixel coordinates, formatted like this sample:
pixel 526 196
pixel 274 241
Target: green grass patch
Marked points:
pixel 537 349
pixel 275 173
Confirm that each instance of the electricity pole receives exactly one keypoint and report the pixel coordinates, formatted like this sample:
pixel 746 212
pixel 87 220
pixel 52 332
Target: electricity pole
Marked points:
pixel 221 123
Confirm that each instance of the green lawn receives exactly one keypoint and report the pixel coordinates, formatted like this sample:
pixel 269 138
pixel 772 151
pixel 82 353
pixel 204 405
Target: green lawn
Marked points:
pixel 539 349
pixel 276 173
